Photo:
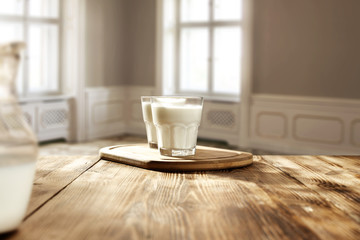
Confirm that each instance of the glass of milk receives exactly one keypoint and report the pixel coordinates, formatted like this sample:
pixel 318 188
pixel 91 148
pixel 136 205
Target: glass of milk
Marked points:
pixel 177 120
pixel 18 146
pixel 148 119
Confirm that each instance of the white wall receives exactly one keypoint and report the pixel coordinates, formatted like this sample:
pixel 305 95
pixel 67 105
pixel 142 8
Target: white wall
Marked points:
pixel 306 58
pixel 307 48
pixel 105 42
pixel 120 40
pixel 139 36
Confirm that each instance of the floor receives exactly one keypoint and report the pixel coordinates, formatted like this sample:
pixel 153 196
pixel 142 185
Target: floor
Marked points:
pixel 92 147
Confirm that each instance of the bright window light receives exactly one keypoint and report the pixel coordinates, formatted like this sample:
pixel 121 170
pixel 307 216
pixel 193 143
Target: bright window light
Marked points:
pixel 37 23
pixel 12 7
pixel 227 10
pixel 202 48
pixel 44 8
pixel 43 58
pixel 194 59
pixel 194 10
pixel 227 57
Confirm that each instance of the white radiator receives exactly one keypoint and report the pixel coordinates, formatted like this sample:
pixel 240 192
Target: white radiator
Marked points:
pixel 49 119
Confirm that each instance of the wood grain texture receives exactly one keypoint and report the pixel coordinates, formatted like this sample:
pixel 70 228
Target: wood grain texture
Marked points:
pixel 206 158
pixel 277 197
pixel 337 181
pixel 53 174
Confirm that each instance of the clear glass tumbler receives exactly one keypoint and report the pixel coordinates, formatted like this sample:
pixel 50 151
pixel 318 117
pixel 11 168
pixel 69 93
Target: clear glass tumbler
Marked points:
pixel 18 145
pixel 148 119
pixel 177 120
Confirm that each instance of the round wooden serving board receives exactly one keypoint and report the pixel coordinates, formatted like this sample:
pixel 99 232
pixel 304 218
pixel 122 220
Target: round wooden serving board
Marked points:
pixel 206 158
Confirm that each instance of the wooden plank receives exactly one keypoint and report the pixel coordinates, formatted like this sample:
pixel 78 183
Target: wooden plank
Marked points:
pixel 342 161
pixel 115 201
pixel 343 164
pixel 53 173
pixel 340 188
pixel 313 208
pixel 206 158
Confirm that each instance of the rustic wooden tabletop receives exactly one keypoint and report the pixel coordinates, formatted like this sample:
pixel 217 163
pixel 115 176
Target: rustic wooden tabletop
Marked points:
pixel 277 197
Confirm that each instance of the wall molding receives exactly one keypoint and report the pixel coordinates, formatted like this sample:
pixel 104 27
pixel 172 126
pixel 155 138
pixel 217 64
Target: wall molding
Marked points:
pixel 104 111
pixel 115 110
pixel 219 121
pixel 355 135
pixel 281 124
pixel 313 125
pixel 311 102
pixel 320 119
pixel 260 132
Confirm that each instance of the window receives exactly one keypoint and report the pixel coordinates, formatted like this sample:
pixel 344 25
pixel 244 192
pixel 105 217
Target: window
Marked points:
pixel 38 24
pixel 202 47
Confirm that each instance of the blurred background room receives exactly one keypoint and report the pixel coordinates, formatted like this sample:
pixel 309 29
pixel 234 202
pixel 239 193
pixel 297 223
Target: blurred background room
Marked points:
pixel 278 76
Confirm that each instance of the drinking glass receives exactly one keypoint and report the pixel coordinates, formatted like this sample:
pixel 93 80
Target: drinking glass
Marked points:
pixel 148 119
pixel 177 120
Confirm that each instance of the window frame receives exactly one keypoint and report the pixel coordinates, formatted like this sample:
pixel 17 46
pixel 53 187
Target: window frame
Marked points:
pixel 210 25
pixel 26 21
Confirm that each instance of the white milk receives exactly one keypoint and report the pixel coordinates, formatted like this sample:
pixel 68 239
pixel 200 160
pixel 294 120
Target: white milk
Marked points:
pixel 177 126
pixel 15 189
pixel 148 119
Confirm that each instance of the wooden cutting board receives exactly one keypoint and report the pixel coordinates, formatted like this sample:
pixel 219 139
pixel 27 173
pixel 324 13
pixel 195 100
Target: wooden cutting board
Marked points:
pixel 206 158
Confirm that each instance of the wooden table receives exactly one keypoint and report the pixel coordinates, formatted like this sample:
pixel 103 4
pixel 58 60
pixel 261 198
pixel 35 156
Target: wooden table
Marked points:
pixel 278 197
